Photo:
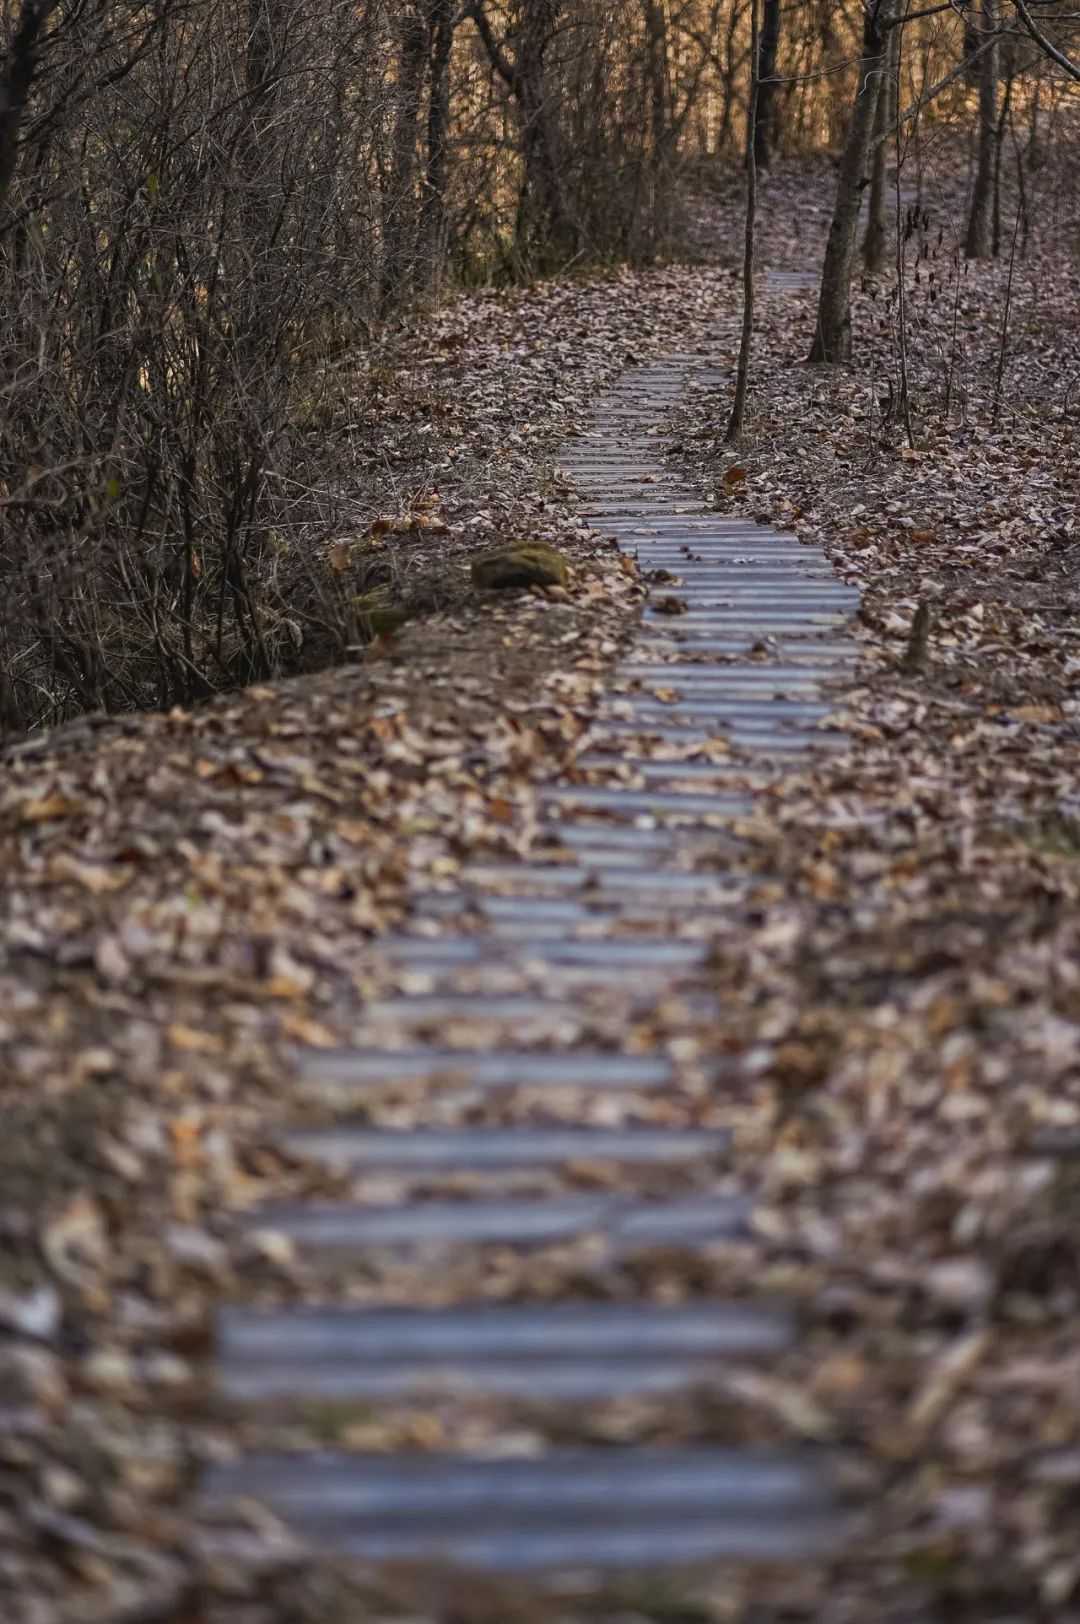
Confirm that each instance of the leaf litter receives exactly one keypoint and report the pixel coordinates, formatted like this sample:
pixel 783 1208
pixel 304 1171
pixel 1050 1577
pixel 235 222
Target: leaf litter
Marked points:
pixel 191 898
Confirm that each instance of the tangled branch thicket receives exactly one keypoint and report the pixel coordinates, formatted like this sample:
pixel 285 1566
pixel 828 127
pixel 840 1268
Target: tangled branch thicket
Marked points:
pixel 208 209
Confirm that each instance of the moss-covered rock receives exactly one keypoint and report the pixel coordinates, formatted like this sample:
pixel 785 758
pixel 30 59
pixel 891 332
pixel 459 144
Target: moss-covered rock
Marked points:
pixel 531 563
pixel 379 614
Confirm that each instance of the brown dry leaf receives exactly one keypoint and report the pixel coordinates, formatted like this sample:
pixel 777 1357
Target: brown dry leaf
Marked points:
pixel 76 1240
pixel 295 1024
pixel 788 1401
pixel 188 1040
pixel 1042 714
pixel 92 877
pixel 947 1375
pixel 48 807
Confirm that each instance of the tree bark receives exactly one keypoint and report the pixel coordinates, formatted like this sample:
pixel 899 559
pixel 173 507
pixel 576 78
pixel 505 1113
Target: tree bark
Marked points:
pixel 832 336
pixel 15 82
pixel 767 53
pixel 742 370
pixel 433 205
pixel 661 134
pixel 979 242
pixel 545 232
pixel 399 214
pixel 874 239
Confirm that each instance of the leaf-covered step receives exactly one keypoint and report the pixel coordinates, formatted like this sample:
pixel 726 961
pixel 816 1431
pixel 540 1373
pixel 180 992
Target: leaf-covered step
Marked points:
pixel 353 1148
pixel 642 1508
pixel 623 1224
pixel 570 1352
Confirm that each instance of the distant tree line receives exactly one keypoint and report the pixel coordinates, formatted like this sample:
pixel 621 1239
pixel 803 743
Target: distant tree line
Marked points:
pixel 209 207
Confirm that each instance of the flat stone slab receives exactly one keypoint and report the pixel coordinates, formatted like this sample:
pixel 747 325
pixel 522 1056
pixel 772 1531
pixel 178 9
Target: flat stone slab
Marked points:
pixel 445 1149
pixel 610 952
pixel 739 571
pixel 452 904
pixel 666 772
pixel 580 877
pixel 727 621
pixel 324 1069
pixel 684 673
pixel 527 1008
pixel 766 714
pixel 624 1224
pixel 704 733
pixel 724 713
pixel 567 1352
pixel 631 803
pixel 791 649
pixel 585 836
pixel 569 1509
pixel 755 680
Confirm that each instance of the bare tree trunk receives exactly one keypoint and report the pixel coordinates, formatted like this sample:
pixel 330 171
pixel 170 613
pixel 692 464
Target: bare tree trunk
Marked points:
pixel 399 219
pixel 742 370
pixel 16 79
pixel 1002 125
pixel 545 230
pixel 659 151
pixel 873 247
pixel 832 336
pixel 766 55
pixel 433 205
pixel 979 242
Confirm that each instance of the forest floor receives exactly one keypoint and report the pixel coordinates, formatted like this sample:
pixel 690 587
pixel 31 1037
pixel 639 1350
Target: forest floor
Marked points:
pixel 187 897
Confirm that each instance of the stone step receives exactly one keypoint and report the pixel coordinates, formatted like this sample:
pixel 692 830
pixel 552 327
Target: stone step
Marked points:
pixel 524 1012
pixel 764 684
pixel 751 708
pixel 325 1072
pixel 784 739
pixel 669 772
pixel 630 803
pixel 609 953
pixel 350 1148
pixel 774 623
pixel 584 836
pixel 536 877
pixel 738 570
pixel 515 918
pixel 613 731
pixel 567 1510
pixel 683 673
pixel 623 1224
pixel 566 1352
pixel 792 650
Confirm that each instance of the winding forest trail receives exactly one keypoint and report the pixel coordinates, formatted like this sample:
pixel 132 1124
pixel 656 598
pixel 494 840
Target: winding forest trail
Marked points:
pixel 480 1269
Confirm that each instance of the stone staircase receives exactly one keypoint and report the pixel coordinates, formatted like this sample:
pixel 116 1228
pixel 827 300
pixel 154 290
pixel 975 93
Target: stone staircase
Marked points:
pixel 551 1032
